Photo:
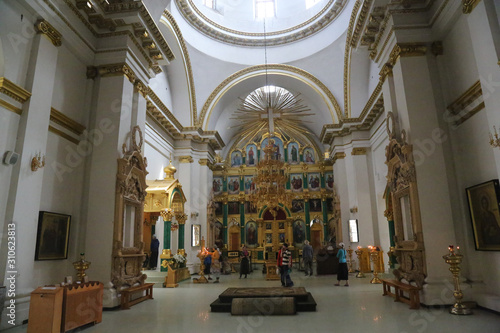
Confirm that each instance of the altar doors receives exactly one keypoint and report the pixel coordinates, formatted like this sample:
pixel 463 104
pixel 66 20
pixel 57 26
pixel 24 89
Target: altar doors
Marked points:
pixel 316 235
pixel 234 238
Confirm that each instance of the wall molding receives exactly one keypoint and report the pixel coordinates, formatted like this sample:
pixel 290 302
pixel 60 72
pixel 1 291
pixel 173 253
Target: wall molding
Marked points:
pixel 14 91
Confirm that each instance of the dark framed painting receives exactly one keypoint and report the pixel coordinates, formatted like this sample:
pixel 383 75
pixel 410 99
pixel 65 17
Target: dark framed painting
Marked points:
pixel 315 205
pixel 484 211
pixel 233 207
pixel 218 208
pixel 53 236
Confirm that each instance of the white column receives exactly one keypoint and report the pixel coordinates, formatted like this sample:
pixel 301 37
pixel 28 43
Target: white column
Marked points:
pixel 26 186
pixel 484 31
pixel 113 121
pixel 419 117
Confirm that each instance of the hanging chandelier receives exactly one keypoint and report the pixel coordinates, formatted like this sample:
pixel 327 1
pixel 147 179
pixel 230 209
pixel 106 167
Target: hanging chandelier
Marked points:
pixel 272 110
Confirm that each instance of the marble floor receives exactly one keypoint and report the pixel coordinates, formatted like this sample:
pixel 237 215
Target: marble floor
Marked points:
pixel 358 308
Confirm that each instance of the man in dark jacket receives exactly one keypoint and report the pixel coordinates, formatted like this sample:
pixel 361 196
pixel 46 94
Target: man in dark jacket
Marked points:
pixel 155 245
pixel 307 256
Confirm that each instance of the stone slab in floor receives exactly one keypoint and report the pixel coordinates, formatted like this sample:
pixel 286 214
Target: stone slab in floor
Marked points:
pixel 304 301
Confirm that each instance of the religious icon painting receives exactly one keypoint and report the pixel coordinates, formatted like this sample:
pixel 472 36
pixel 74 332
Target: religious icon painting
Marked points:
pixel 329 205
pixel 236 158
pixel 217 185
pixel 297 206
pixel 314 181
pixel 315 205
pixel 233 207
pixel 282 237
pixel 329 181
pixel 218 208
pixel 249 184
pixel 249 209
pixel 278 146
pixel 251 233
pixel 251 152
pixel 281 225
pixel 299 232
pixel 308 156
pixel 269 238
pixel 233 185
pixel 268 226
pixel 484 209
pixel 293 153
pixel 296 183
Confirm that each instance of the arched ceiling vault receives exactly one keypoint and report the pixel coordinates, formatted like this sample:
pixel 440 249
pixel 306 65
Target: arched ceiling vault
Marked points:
pixel 217 112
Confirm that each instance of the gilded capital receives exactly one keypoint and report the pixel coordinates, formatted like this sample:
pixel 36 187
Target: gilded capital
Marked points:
pixel 141 88
pixel 116 70
pixel 358 151
pixel 186 159
pixel 167 215
pixel 407 50
pixel 469 5
pixel 44 27
pixel 181 218
pixel 203 161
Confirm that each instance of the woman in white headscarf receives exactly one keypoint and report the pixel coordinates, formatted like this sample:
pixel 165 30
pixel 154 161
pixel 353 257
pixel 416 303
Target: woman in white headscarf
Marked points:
pixel 343 272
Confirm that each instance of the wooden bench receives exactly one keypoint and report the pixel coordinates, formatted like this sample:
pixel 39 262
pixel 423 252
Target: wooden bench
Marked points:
pixel 413 298
pixel 127 293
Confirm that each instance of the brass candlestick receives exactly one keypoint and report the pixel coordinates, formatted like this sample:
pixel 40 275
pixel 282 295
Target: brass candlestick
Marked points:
pixel 81 266
pixel 454 260
pixel 360 273
pixel 349 252
pixel 374 259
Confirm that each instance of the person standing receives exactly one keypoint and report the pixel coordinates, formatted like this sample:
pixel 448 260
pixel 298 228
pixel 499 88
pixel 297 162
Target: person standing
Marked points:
pixel 307 256
pixel 285 264
pixel 343 273
pixel 155 245
pixel 215 267
pixel 244 263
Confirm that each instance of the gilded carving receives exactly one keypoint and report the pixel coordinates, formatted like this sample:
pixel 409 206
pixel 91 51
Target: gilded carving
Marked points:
pixel 117 69
pixel 130 192
pixel 467 104
pixel 186 159
pixel 44 27
pixel 402 186
pixel 469 5
pixel 358 151
pixel 14 91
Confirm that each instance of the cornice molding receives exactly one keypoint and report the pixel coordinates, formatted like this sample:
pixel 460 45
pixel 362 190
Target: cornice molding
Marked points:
pixel 14 91
pixel 467 104
pixel 115 70
pixel 66 122
pixel 63 135
pixel 170 116
pixel 469 5
pixel 45 28
pixel 229 36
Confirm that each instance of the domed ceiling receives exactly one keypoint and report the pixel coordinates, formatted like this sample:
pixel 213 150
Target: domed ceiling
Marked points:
pixel 240 22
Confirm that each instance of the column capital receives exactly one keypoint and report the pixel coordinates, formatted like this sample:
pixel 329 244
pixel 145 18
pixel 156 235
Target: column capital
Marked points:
pixel 45 28
pixel 407 50
pixel 186 159
pixel 181 218
pixel 469 5
pixel 358 151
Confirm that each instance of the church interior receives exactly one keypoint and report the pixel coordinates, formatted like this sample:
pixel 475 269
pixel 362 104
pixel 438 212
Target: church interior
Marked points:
pixel 167 128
